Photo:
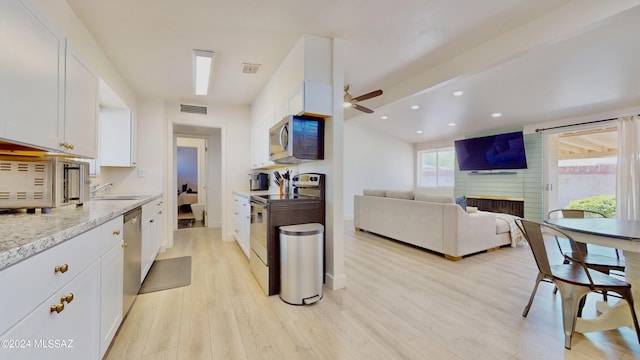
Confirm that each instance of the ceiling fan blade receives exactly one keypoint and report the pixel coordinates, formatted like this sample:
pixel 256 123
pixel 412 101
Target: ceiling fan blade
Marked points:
pixel 368 96
pixel 362 108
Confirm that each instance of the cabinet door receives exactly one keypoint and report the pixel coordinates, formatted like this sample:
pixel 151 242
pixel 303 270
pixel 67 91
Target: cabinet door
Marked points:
pixel 110 295
pixel 147 248
pixel 73 333
pixel 81 106
pixel 116 137
pixel 31 74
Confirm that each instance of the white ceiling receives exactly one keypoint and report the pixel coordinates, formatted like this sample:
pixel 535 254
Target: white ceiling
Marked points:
pixel 150 41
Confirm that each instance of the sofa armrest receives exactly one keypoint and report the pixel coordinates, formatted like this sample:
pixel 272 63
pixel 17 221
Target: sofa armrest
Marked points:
pixel 468 233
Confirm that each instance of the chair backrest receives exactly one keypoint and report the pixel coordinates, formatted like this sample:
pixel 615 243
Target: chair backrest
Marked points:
pixel 532 232
pixel 574 213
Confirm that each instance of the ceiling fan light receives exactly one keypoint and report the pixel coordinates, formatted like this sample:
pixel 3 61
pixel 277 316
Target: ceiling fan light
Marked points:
pixel 346 104
pixel 202 61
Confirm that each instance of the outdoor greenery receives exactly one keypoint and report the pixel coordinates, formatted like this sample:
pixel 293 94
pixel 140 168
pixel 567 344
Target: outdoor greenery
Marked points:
pixel 604 204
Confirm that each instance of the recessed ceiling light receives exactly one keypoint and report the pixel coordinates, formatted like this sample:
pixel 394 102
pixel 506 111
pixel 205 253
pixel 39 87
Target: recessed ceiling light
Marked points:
pixel 458 93
pixel 496 115
pixel 415 107
pixel 451 124
pixel 384 117
pixel 419 132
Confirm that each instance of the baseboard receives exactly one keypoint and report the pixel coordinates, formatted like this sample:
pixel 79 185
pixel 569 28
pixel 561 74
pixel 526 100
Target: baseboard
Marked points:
pixel 337 282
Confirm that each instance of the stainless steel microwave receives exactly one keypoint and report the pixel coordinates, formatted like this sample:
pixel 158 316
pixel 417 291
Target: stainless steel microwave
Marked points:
pixel 297 138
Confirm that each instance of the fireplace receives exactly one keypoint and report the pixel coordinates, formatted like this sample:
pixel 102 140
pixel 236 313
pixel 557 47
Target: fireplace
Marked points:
pixel 497 204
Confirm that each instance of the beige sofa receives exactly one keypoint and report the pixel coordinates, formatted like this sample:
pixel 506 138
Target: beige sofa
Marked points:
pixel 432 222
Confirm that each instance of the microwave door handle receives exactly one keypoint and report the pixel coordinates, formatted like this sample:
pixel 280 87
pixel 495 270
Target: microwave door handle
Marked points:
pixel 282 130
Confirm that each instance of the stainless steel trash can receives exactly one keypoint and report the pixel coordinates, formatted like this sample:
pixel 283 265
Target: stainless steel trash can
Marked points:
pixel 301 259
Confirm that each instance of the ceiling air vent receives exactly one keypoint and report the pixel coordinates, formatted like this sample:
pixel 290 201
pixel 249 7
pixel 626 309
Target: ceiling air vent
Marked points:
pixel 193 109
pixel 250 68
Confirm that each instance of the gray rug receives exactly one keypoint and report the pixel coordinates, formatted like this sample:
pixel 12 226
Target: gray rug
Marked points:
pixel 167 274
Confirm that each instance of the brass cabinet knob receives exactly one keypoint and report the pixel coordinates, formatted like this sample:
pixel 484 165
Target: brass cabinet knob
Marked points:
pixel 71 146
pixel 67 298
pixel 124 245
pixel 116 232
pixel 66 145
pixel 57 308
pixel 61 269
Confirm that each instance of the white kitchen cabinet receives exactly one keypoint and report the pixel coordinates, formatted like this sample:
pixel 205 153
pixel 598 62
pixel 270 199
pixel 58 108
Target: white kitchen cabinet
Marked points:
pixel 81 107
pixel 242 222
pixel 260 141
pixel 64 326
pixel 117 137
pixel 152 234
pixel 32 76
pixel 311 98
pixel 49 95
pixel 111 281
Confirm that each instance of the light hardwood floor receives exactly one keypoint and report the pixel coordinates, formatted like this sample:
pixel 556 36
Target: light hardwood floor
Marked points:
pixel 399 303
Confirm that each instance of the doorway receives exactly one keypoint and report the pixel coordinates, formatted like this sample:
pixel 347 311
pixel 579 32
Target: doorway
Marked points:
pixel 191 162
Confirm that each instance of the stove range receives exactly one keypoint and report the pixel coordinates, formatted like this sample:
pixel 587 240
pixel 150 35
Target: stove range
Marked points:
pixel 268 212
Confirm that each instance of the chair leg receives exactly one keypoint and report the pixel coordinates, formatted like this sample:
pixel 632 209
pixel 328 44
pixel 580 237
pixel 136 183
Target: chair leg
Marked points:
pixel 626 294
pixel 533 294
pixel 571 297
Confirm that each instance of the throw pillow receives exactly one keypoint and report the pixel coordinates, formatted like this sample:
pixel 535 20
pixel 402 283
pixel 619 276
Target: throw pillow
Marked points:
pixel 462 201
pixel 471 209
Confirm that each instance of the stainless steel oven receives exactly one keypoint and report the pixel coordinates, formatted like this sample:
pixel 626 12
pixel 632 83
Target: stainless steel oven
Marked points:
pixel 258 234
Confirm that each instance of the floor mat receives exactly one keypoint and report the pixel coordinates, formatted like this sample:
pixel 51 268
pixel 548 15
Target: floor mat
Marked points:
pixel 167 274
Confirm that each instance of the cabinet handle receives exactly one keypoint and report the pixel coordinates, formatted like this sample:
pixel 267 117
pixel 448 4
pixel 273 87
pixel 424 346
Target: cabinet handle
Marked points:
pixel 116 232
pixel 67 298
pixel 66 145
pixel 57 308
pixel 124 245
pixel 151 220
pixel 160 212
pixel 61 269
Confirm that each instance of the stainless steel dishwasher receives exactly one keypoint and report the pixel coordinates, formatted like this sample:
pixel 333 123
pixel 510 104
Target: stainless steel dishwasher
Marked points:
pixel 132 258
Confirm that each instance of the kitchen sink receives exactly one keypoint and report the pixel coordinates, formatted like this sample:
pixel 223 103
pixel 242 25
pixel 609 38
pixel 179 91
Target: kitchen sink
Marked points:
pixel 120 197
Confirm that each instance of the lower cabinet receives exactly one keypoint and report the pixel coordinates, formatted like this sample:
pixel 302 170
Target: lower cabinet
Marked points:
pixel 66 302
pixel 64 326
pixel 241 222
pixel 152 234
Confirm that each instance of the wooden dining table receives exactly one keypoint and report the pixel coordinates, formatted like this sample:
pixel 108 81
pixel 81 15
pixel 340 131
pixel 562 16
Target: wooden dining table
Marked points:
pixel 613 233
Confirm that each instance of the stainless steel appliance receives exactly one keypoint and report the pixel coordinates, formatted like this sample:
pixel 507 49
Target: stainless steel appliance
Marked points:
pixel 268 212
pixel 297 138
pixel 42 182
pixel 72 182
pixel 259 181
pixel 132 234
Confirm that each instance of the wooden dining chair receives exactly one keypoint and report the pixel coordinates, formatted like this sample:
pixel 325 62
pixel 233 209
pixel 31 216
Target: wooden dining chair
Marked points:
pixel 574 280
pixel 602 263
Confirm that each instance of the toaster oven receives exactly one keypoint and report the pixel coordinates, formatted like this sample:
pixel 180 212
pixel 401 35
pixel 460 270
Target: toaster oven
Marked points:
pixel 42 182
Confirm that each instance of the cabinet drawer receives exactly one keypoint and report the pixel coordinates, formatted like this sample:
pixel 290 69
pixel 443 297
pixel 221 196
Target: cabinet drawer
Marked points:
pixel 26 283
pixel 73 333
pixel 151 208
pixel 111 234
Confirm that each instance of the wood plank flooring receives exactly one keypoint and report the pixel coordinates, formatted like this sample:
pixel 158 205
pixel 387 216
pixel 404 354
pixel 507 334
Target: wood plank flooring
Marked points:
pixel 400 303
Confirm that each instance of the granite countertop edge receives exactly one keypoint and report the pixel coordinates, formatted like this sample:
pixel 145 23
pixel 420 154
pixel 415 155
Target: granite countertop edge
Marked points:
pixel 24 235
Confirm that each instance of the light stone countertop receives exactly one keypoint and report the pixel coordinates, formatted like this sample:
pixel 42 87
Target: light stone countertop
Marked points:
pixel 23 235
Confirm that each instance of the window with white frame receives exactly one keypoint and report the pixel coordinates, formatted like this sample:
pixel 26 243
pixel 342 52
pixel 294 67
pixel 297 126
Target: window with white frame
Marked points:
pixel 435 167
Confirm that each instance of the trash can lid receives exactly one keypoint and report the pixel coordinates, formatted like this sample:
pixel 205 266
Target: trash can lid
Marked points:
pixel 302 229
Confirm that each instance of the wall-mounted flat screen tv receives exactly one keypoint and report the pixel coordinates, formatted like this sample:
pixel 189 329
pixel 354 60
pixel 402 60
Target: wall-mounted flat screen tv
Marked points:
pixel 495 152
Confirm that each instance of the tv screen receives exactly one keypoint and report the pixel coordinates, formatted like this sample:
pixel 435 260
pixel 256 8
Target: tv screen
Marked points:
pixel 503 151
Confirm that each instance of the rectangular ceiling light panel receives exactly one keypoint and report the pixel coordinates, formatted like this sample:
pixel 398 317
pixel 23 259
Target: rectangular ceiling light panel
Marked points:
pixel 202 61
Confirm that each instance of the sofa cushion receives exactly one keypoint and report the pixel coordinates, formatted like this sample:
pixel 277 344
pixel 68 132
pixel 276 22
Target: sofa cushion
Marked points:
pixel 462 201
pixel 408 195
pixel 442 199
pixel 371 192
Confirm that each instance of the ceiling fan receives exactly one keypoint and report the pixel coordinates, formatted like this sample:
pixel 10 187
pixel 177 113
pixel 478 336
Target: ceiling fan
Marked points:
pixel 350 101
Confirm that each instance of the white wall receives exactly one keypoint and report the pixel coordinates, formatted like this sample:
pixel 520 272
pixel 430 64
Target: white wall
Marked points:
pixel 374 161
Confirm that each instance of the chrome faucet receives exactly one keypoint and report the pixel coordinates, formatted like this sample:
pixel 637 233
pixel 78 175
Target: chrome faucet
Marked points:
pixel 97 188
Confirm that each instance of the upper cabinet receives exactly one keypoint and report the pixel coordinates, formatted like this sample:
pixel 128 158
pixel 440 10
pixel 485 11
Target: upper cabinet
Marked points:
pixel 49 94
pixel 32 76
pixel 311 98
pixel 81 106
pixel 117 135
